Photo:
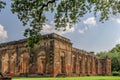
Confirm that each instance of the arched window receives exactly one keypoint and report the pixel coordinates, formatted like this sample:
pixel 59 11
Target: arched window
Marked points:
pixel 5 65
pixel 41 62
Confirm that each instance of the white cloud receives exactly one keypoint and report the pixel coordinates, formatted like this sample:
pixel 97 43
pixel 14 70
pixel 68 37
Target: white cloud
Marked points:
pixel 118 41
pixel 90 21
pixel 81 31
pixel 116 20
pixel 50 28
pixel 3 34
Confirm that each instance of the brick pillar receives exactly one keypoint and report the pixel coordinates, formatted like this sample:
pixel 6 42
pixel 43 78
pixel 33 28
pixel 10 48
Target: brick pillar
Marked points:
pixel 99 67
pixel 80 65
pixel 108 67
pixel 88 65
pixel 50 62
pixel 68 63
pixel 77 65
pixel 83 65
pixel 57 66
pixel 93 66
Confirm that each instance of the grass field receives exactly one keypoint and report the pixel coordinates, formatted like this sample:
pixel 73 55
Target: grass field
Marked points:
pixel 73 78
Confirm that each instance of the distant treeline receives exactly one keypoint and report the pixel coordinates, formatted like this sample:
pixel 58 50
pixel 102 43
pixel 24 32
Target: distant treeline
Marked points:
pixel 114 55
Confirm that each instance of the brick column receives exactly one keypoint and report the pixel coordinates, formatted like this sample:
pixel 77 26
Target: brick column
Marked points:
pixel 57 66
pixel 77 64
pixel 68 62
pixel 93 66
pixel 99 67
pixel 88 65
pixel 80 65
pixel 108 66
pixel 83 65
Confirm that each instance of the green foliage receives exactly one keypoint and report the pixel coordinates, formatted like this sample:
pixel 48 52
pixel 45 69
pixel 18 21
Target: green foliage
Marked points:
pixel 115 64
pixel 102 54
pixel 65 11
pixel 31 12
pixel 115 73
pixel 114 55
pixel 34 37
pixel 2 5
pixel 116 49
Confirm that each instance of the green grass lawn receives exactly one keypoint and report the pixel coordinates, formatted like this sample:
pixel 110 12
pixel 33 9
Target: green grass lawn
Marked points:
pixel 74 78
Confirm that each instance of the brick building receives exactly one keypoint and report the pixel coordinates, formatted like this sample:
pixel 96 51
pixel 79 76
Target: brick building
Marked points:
pixel 53 56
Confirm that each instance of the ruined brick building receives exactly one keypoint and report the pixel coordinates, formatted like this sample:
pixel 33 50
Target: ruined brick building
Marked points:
pixel 54 56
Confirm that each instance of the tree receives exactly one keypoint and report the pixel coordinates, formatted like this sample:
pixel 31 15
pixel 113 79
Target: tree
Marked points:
pixel 114 55
pixel 31 12
pixel 116 49
pixel 115 64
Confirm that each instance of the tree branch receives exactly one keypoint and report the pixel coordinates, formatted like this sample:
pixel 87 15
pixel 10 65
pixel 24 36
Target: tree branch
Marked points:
pixel 45 5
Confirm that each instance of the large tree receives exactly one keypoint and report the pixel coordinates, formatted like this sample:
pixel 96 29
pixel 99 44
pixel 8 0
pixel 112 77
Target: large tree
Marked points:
pixel 32 13
pixel 114 55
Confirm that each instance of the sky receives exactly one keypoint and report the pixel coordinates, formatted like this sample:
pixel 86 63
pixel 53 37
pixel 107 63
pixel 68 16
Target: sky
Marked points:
pixel 89 34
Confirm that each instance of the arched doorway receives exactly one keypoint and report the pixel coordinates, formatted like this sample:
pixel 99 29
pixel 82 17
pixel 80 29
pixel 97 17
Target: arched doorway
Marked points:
pixel 62 61
pixel 80 64
pixel 41 62
pixel 74 63
pixel 24 60
pixel 13 63
pixel 5 64
pixel 86 65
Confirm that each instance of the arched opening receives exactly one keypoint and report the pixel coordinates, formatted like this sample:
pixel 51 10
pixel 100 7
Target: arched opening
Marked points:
pixel 41 62
pixel 13 63
pixel 5 64
pixel 80 64
pixel 86 65
pixel 73 64
pixel 24 60
pixel 96 66
pixel 90 65
pixel 62 61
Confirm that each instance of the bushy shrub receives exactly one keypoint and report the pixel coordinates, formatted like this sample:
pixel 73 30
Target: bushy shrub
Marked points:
pixel 115 73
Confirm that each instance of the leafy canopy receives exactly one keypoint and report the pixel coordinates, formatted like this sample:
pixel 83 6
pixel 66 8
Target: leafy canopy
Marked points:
pixel 31 12
pixel 114 55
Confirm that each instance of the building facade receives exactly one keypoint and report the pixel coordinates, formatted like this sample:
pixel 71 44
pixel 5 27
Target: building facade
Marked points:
pixel 54 56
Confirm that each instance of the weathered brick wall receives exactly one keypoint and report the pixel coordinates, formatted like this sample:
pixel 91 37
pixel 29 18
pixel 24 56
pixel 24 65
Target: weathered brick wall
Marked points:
pixel 53 56
pixel 8 53
pixel 89 64
pixel 17 59
pixel 62 55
